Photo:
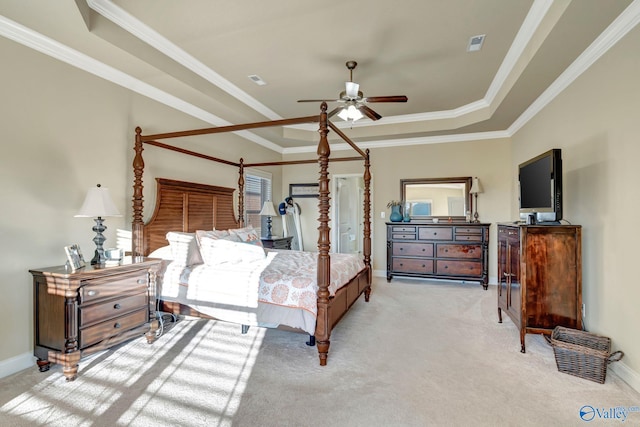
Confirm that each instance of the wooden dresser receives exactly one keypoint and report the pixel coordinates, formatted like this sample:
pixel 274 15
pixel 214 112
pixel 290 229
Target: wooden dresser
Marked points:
pixel 540 277
pixel 454 251
pixel 91 309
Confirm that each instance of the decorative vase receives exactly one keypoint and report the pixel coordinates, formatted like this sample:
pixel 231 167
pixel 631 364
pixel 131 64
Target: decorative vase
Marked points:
pixel 406 218
pixel 395 216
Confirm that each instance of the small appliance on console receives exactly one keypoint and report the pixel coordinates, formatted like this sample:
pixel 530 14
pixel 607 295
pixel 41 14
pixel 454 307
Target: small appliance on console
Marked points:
pixel 540 182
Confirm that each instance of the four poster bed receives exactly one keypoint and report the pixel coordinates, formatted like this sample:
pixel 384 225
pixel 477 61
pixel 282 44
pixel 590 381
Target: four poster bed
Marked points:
pixel 184 210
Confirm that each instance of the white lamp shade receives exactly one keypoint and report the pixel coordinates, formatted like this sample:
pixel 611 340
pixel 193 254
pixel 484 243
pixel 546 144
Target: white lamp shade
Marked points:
pixel 350 113
pixel 268 209
pixel 98 203
pixel 475 186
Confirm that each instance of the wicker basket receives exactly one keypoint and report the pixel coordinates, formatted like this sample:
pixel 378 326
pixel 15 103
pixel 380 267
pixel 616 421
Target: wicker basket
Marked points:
pixel 582 354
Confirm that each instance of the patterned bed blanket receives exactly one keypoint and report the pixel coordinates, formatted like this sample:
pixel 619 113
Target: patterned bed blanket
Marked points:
pixel 285 278
pixel 291 278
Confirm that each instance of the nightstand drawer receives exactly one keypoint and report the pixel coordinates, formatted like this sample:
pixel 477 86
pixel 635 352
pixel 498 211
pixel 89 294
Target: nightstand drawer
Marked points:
pixel 97 289
pixel 104 330
pixel 98 312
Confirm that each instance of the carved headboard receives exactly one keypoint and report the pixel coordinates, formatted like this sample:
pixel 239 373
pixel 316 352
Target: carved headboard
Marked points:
pixel 187 206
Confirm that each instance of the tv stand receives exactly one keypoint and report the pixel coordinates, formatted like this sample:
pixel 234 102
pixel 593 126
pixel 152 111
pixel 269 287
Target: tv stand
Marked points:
pixel 540 277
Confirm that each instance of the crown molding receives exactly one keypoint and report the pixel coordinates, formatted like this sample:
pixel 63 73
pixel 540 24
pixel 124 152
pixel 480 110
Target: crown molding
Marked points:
pixel 34 40
pixel 405 142
pixel 138 29
pixel 41 43
pixel 624 23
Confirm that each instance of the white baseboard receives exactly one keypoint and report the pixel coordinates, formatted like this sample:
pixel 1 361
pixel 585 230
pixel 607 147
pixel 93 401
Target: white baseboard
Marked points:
pixel 17 363
pixel 627 374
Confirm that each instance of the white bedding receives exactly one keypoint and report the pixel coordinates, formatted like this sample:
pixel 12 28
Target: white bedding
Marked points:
pixel 279 290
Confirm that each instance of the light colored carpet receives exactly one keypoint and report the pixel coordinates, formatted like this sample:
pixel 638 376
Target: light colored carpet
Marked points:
pixel 418 354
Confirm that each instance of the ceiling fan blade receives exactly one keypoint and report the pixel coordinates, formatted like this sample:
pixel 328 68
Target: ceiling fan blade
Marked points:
pixel 352 89
pixel 334 111
pixel 369 112
pixel 320 100
pixel 393 98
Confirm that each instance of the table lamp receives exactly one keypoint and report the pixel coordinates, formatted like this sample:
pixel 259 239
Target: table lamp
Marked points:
pixel 476 188
pixel 268 210
pixel 98 205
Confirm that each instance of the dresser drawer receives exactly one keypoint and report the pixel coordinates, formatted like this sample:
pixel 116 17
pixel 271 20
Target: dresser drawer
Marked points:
pixel 104 330
pixel 468 238
pixel 412 249
pixel 403 229
pixel 459 251
pixel 413 265
pixel 468 230
pixel 110 286
pixel 98 312
pixel 398 236
pixel 459 268
pixel 435 233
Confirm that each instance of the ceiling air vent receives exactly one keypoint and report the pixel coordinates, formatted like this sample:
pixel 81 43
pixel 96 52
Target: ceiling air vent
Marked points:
pixel 475 43
pixel 257 80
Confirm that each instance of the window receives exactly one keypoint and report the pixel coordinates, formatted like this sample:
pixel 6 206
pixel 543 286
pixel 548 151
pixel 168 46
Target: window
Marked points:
pixel 257 190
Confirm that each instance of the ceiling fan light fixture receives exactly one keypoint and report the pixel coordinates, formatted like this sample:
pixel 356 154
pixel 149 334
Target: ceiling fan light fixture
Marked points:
pixel 350 113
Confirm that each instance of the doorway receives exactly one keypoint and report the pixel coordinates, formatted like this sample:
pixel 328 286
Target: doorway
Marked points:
pixel 348 214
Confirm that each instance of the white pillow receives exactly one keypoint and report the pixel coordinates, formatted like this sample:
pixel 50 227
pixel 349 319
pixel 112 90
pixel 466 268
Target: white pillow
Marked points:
pixel 162 253
pixel 184 248
pixel 220 251
pixel 216 234
pixel 247 235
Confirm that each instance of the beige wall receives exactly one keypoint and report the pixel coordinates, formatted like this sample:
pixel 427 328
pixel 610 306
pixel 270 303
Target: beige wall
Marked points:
pixel 595 123
pixel 63 131
pixel 489 160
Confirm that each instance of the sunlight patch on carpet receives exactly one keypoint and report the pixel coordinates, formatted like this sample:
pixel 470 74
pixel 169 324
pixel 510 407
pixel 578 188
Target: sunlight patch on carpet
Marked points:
pixel 194 375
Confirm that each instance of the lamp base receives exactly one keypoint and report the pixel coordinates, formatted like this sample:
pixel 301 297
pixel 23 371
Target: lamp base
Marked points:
pixel 269 235
pixel 99 257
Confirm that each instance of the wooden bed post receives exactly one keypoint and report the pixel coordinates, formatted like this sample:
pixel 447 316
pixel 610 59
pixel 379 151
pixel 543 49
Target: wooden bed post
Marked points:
pixel 137 225
pixel 323 326
pixel 367 223
pixel 241 193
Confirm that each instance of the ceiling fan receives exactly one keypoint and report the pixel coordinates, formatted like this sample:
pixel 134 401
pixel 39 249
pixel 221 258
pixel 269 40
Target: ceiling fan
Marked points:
pixel 354 101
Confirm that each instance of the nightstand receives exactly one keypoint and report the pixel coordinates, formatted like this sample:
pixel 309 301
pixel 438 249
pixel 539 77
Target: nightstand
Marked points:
pixel 277 242
pixel 80 312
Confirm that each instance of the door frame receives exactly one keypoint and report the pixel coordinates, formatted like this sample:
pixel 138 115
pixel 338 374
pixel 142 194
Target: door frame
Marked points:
pixel 335 229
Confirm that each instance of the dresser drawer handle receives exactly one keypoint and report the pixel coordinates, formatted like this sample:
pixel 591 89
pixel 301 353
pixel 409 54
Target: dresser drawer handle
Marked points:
pixel 117 325
pixel 402 249
pixel 92 293
pixel 117 306
pixel 423 249
pixel 142 281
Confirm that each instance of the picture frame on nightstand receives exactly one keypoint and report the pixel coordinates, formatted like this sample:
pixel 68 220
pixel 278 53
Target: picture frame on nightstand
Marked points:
pixel 75 260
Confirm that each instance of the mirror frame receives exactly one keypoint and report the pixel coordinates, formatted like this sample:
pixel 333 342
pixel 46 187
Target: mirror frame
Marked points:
pixel 466 180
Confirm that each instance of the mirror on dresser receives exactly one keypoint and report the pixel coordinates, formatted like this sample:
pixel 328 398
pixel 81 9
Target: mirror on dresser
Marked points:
pixel 429 198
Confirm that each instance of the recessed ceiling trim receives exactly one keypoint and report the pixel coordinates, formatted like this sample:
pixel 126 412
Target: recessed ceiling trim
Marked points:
pixel 532 21
pixel 403 142
pixel 148 35
pixel 624 23
pixel 41 43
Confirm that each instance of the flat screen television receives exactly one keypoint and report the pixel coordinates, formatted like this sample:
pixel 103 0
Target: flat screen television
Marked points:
pixel 540 182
